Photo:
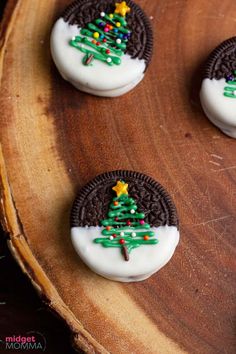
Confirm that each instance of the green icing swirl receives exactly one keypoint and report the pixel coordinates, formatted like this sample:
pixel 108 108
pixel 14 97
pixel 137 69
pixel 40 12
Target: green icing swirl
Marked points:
pixel 230 90
pixel 116 18
pixel 100 52
pixel 136 234
pixel 129 242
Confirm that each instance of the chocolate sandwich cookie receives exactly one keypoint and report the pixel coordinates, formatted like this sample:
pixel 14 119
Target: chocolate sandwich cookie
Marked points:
pixel 218 91
pixel 124 226
pixel 103 47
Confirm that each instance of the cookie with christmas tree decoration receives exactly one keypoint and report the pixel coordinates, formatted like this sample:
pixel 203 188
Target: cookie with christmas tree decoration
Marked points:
pixel 218 90
pixel 124 226
pixel 102 47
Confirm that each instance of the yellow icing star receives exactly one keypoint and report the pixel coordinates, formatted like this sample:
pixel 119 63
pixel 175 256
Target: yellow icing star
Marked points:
pixel 121 188
pixel 122 9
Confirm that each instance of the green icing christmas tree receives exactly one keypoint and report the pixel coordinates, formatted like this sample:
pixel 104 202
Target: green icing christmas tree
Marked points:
pixel 125 227
pixel 106 38
pixel 230 90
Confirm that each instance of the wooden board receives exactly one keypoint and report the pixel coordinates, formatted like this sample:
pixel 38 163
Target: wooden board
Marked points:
pixel 55 139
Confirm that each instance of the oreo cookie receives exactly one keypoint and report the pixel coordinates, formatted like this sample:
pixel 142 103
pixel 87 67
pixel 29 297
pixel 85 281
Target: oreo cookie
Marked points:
pixel 124 226
pixel 102 47
pixel 218 90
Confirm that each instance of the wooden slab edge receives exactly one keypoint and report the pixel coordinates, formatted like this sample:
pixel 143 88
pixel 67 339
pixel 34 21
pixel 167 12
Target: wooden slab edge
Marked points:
pixel 21 251
pixel 9 14
pixel 17 241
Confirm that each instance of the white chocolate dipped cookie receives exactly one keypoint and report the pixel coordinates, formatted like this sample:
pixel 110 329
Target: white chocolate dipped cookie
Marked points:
pixel 124 226
pixel 102 47
pixel 218 90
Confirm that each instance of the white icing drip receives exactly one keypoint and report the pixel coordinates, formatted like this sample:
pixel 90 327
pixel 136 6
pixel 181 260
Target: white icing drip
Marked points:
pixel 98 79
pixel 220 110
pixel 110 263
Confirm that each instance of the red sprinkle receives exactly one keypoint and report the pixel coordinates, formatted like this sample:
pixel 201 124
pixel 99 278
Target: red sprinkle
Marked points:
pixel 116 219
pixel 98 43
pixel 104 40
pixel 128 223
pixel 122 241
pixel 114 235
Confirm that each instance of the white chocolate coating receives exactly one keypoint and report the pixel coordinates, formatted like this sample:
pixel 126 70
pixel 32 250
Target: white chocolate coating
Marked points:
pixel 99 79
pixel 109 262
pixel 220 110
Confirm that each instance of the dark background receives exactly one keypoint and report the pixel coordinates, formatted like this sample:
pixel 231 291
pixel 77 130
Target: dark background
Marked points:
pixel 21 310
pixel 2 4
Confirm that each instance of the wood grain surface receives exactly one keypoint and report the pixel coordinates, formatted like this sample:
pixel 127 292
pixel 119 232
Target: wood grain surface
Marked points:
pixel 22 311
pixel 55 139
